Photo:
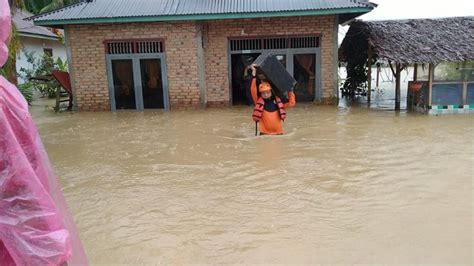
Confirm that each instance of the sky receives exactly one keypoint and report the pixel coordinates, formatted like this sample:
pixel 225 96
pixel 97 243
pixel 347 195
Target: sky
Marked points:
pixel 404 9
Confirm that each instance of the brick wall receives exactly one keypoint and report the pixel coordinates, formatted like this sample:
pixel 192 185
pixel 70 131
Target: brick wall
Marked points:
pixel 89 63
pixel 216 48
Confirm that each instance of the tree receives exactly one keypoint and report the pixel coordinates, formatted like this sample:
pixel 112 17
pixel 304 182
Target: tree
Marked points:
pixel 14 46
pixel 356 56
pixel 43 6
pixel 9 69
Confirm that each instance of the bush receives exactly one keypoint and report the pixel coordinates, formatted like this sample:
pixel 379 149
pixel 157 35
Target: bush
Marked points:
pixel 27 91
pixel 356 56
pixel 42 67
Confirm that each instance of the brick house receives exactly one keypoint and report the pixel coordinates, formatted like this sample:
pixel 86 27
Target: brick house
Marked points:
pixel 175 53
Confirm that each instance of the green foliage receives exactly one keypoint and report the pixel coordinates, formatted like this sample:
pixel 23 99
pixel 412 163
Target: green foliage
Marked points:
pixel 61 65
pixel 9 69
pixel 41 69
pixel 356 55
pixel 468 70
pixel 42 6
pixel 34 6
pixel 448 71
pixel 15 4
pixel 27 91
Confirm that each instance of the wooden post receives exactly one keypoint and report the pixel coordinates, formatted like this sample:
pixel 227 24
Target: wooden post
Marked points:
pixel 411 98
pixel 378 74
pixel 430 83
pixel 58 99
pixel 369 75
pixel 464 84
pixel 397 86
pixel 415 72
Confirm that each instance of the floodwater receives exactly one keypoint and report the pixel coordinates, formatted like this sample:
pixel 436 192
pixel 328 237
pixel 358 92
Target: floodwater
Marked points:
pixel 383 92
pixel 344 185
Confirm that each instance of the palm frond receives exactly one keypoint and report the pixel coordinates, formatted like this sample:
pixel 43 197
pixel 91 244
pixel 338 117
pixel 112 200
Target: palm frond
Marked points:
pixel 54 4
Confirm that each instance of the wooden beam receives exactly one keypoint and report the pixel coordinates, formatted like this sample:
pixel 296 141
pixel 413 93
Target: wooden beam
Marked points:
pixel 369 74
pixel 415 72
pixel 464 84
pixel 391 67
pixel 378 74
pixel 397 86
pixel 430 82
pixel 58 99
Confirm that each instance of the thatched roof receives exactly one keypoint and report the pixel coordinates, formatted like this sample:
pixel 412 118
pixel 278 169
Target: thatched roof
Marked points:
pixel 417 40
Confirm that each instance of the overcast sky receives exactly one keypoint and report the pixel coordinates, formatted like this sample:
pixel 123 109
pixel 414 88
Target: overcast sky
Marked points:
pixel 403 9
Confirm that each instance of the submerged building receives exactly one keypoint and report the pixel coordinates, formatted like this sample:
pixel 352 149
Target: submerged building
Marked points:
pixel 440 50
pixel 170 54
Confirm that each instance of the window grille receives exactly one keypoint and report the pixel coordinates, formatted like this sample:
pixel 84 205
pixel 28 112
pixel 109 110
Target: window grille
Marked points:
pixel 304 42
pixel 274 43
pixel 149 47
pixel 134 47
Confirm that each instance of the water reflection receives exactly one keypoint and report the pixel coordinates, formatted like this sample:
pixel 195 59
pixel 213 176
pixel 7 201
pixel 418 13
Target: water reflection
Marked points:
pixel 345 185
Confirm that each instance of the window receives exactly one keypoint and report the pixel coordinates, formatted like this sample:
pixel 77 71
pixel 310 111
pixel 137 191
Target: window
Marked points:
pixel 134 47
pixel 448 72
pixel 274 43
pixel 48 51
pixel 470 93
pixel 468 70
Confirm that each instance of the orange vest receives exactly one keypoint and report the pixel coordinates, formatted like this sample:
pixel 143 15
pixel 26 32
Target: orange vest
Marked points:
pixel 259 106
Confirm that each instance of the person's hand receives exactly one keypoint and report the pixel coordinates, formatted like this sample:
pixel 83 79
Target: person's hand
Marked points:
pixel 254 70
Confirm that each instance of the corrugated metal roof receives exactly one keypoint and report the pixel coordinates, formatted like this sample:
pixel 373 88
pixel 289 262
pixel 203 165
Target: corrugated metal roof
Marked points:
pixel 99 9
pixel 27 28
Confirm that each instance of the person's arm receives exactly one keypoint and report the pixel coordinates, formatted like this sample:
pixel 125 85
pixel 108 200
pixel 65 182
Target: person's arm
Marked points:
pixel 291 100
pixel 253 85
pixel 253 90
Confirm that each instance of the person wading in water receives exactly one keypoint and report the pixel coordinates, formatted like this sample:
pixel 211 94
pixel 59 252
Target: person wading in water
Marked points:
pixel 269 110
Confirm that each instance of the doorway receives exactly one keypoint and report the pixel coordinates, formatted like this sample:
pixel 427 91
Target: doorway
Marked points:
pixel 299 55
pixel 241 78
pixel 137 76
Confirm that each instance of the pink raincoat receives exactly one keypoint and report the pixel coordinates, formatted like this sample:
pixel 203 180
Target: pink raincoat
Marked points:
pixel 35 227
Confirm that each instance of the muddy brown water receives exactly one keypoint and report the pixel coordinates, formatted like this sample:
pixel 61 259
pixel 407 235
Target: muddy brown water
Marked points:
pixel 344 185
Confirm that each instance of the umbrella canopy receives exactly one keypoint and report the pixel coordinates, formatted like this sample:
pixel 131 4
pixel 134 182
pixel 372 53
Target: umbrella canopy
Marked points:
pixel 276 73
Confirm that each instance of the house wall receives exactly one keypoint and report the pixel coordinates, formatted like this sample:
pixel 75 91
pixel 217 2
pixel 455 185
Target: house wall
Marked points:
pixel 37 45
pixel 89 60
pixel 216 42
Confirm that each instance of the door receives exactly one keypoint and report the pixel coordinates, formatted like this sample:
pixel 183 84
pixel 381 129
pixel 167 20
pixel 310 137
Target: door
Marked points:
pixel 123 84
pixel 152 83
pixel 137 82
pixel 240 76
pixel 304 72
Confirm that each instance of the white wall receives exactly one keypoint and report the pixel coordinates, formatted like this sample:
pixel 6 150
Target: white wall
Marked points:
pixel 37 45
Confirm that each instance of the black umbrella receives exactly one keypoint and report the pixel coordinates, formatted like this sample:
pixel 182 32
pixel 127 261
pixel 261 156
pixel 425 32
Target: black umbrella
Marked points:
pixel 276 73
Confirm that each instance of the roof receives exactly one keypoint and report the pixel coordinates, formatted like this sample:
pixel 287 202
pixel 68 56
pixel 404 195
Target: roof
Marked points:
pixel 418 40
pixel 28 29
pixel 109 11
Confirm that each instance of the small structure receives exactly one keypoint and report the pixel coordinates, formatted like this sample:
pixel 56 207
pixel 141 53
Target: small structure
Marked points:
pixel 165 54
pixel 65 83
pixel 35 39
pixel 440 50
